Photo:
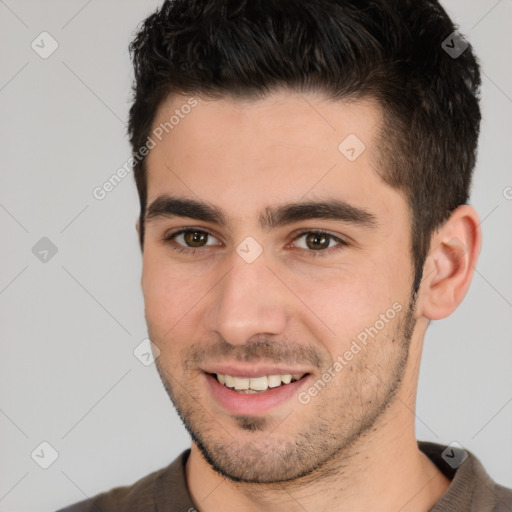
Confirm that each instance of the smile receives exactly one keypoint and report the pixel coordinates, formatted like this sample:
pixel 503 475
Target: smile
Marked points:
pixel 256 384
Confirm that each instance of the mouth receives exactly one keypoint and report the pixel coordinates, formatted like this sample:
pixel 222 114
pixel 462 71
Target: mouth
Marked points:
pixel 255 395
pixel 253 385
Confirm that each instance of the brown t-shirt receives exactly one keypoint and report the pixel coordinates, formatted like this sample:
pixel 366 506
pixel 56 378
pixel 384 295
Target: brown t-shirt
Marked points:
pixel 471 489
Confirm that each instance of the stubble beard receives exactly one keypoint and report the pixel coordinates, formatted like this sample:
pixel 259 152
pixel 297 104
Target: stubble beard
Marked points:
pixel 257 449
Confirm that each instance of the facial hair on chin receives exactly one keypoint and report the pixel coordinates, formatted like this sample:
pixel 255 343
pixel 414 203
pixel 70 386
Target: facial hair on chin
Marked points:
pixel 330 431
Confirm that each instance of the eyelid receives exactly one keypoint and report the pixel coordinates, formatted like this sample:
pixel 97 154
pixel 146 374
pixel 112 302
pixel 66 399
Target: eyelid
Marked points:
pixel 305 231
pixel 171 235
pixel 341 242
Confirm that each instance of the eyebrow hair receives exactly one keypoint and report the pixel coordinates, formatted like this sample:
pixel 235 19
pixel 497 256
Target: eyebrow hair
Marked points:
pixel 166 206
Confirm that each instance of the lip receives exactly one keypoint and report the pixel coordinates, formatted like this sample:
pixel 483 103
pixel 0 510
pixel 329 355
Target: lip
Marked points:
pixel 256 403
pixel 251 371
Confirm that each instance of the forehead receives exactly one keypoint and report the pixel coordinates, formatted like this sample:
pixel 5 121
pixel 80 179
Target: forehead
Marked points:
pixel 306 123
pixel 245 154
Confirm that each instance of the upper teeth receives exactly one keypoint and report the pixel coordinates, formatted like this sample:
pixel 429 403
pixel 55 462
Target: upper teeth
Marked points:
pixel 257 383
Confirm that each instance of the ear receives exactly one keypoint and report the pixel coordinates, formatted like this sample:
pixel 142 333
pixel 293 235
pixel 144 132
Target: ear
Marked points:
pixel 450 264
pixel 137 227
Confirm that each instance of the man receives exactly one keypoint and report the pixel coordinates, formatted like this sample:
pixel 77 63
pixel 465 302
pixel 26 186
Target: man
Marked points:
pixel 303 169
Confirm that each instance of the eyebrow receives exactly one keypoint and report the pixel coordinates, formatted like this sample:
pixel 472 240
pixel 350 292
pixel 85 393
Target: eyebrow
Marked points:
pixel 167 206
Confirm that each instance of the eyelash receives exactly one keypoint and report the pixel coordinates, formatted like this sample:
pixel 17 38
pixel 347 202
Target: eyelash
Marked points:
pixel 311 253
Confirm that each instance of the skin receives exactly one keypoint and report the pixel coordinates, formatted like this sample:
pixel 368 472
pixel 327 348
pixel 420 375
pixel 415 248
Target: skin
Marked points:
pixel 353 446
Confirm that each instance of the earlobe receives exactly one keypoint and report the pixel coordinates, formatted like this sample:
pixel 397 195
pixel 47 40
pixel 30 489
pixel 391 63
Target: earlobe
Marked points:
pixel 451 263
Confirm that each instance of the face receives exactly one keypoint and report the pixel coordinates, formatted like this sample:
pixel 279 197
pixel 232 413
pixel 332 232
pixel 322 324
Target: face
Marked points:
pixel 270 249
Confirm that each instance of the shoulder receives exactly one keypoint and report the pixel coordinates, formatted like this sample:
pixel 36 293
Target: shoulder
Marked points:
pixel 165 489
pixel 471 487
pixel 503 497
pixel 136 497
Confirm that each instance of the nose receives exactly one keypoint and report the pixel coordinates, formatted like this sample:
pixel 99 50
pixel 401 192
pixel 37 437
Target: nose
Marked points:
pixel 249 300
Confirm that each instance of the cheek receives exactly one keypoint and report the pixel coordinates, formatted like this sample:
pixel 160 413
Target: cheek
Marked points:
pixel 347 302
pixel 169 294
pixel 350 299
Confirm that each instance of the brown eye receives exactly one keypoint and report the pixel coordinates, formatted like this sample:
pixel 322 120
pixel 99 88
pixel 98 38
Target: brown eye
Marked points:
pixel 195 238
pixel 316 243
pixel 188 240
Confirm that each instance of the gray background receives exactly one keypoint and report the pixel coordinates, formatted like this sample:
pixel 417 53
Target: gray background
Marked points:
pixel 69 325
